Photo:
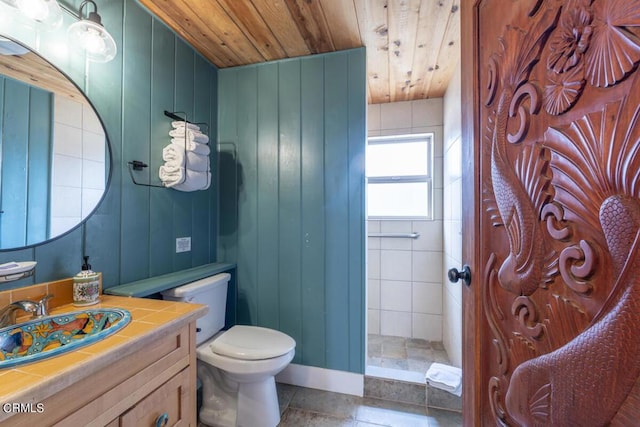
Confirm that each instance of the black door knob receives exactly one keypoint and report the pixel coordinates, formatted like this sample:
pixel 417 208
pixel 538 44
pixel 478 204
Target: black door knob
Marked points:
pixel 465 275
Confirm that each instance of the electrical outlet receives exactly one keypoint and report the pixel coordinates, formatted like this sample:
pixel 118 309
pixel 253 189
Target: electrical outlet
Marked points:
pixel 183 244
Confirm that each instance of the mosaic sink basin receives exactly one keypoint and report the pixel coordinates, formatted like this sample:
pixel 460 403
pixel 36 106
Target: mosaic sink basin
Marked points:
pixel 49 336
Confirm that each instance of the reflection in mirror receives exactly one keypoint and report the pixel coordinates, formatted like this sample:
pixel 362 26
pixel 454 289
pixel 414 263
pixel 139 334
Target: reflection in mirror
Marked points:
pixel 54 151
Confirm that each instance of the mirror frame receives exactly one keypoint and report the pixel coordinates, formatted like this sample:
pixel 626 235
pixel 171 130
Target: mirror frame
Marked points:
pixel 109 153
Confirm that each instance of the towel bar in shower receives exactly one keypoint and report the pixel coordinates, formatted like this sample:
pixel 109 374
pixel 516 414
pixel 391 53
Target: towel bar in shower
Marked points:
pixel 413 235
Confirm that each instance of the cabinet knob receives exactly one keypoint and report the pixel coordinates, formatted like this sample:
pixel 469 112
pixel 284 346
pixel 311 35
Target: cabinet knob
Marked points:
pixel 162 420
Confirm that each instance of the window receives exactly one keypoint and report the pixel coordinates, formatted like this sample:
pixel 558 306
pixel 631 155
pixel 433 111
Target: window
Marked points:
pixel 399 176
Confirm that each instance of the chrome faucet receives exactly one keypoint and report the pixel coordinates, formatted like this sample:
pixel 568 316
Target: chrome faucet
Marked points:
pixel 43 306
pixel 37 309
pixel 8 313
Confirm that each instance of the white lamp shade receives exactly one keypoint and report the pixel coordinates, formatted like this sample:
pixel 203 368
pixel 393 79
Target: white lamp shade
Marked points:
pixel 45 13
pixel 93 39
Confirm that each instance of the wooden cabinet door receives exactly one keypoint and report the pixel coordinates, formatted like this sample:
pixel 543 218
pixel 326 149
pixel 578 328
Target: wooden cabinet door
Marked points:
pixel 551 127
pixel 172 399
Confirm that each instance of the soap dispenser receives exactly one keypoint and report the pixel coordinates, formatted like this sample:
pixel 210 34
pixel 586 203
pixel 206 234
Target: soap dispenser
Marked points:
pixel 86 286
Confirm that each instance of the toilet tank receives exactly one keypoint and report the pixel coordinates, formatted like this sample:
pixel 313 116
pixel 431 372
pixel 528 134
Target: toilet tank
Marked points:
pixel 210 291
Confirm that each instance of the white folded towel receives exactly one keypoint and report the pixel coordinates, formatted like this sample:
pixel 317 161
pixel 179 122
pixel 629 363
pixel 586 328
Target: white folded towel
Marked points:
pixel 181 125
pixel 170 175
pixel 170 168
pixel 193 181
pixel 193 146
pixel 192 135
pixel 445 377
pixel 174 155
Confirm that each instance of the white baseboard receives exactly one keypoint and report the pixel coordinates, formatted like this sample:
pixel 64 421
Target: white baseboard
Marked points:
pixel 323 379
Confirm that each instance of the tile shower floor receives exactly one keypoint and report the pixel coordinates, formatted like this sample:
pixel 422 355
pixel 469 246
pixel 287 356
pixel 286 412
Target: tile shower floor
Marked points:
pixel 402 358
pixel 305 407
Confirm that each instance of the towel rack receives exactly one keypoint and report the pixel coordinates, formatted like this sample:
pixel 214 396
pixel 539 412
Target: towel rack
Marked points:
pixel 137 165
pixel 413 235
pixel 174 115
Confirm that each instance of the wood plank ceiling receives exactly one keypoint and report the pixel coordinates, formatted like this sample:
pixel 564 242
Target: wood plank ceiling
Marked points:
pixel 413 46
pixel 31 69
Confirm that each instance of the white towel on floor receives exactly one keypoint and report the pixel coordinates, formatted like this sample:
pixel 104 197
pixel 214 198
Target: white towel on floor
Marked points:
pixel 193 181
pixel 191 135
pixel 170 175
pixel 181 125
pixel 193 146
pixel 174 155
pixel 445 377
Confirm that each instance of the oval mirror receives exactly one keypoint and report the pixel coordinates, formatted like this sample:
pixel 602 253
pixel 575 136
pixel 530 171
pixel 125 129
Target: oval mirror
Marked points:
pixel 54 151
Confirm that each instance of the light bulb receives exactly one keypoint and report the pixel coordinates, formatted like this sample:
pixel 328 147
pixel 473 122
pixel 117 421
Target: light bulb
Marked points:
pixel 94 40
pixel 38 10
pixel 41 14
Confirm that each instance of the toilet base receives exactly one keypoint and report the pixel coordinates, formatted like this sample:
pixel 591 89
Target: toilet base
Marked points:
pixel 258 403
pixel 252 404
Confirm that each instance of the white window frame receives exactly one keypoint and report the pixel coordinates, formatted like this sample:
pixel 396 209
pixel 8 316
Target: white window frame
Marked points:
pixel 427 178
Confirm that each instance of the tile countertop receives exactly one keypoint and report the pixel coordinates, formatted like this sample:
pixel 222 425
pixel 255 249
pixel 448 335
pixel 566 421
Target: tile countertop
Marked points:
pixel 33 382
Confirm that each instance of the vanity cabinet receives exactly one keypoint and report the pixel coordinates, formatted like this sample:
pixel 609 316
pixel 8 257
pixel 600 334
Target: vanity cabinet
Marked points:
pixel 136 389
pixel 167 405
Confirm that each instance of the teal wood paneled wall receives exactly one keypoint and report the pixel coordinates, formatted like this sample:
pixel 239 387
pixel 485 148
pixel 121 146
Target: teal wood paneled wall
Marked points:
pixel 299 129
pixel 25 150
pixel 132 234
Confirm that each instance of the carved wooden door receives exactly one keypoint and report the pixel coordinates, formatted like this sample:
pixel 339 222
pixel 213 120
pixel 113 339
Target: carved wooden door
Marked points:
pixel 551 94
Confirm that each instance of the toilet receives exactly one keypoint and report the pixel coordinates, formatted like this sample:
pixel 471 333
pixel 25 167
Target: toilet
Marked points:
pixel 237 366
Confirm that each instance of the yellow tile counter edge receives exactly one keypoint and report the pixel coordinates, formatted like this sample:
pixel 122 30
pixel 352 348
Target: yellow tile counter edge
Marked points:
pixel 150 319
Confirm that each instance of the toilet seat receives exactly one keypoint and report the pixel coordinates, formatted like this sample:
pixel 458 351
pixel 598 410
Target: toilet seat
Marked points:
pixel 252 343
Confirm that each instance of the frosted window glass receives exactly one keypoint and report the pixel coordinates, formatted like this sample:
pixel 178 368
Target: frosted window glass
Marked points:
pixel 398 159
pixel 399 170
pixel 411 199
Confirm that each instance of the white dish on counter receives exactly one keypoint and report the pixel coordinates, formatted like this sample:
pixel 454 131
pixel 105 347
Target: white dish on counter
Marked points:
pixel 16 270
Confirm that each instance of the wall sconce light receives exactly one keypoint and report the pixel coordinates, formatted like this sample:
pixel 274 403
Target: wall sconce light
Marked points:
pixel 47 13
pixel 90 36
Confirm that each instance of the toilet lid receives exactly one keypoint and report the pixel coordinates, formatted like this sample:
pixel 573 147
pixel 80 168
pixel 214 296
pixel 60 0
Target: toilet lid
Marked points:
pixel 252 343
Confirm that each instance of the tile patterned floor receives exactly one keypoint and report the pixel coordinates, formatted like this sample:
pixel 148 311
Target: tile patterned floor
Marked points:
pixel 405 354
pixel 304 407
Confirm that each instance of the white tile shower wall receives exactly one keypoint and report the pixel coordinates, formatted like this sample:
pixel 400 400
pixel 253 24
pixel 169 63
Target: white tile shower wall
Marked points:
pixel 405 280
pixel 452 298
pixel 80 156
pixel 405 290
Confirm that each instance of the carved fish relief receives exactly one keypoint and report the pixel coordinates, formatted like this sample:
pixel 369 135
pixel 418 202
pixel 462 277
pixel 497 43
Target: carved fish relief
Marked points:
pixel 557 388
pixel 587 155
pixel 521 192
pixel 576 369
